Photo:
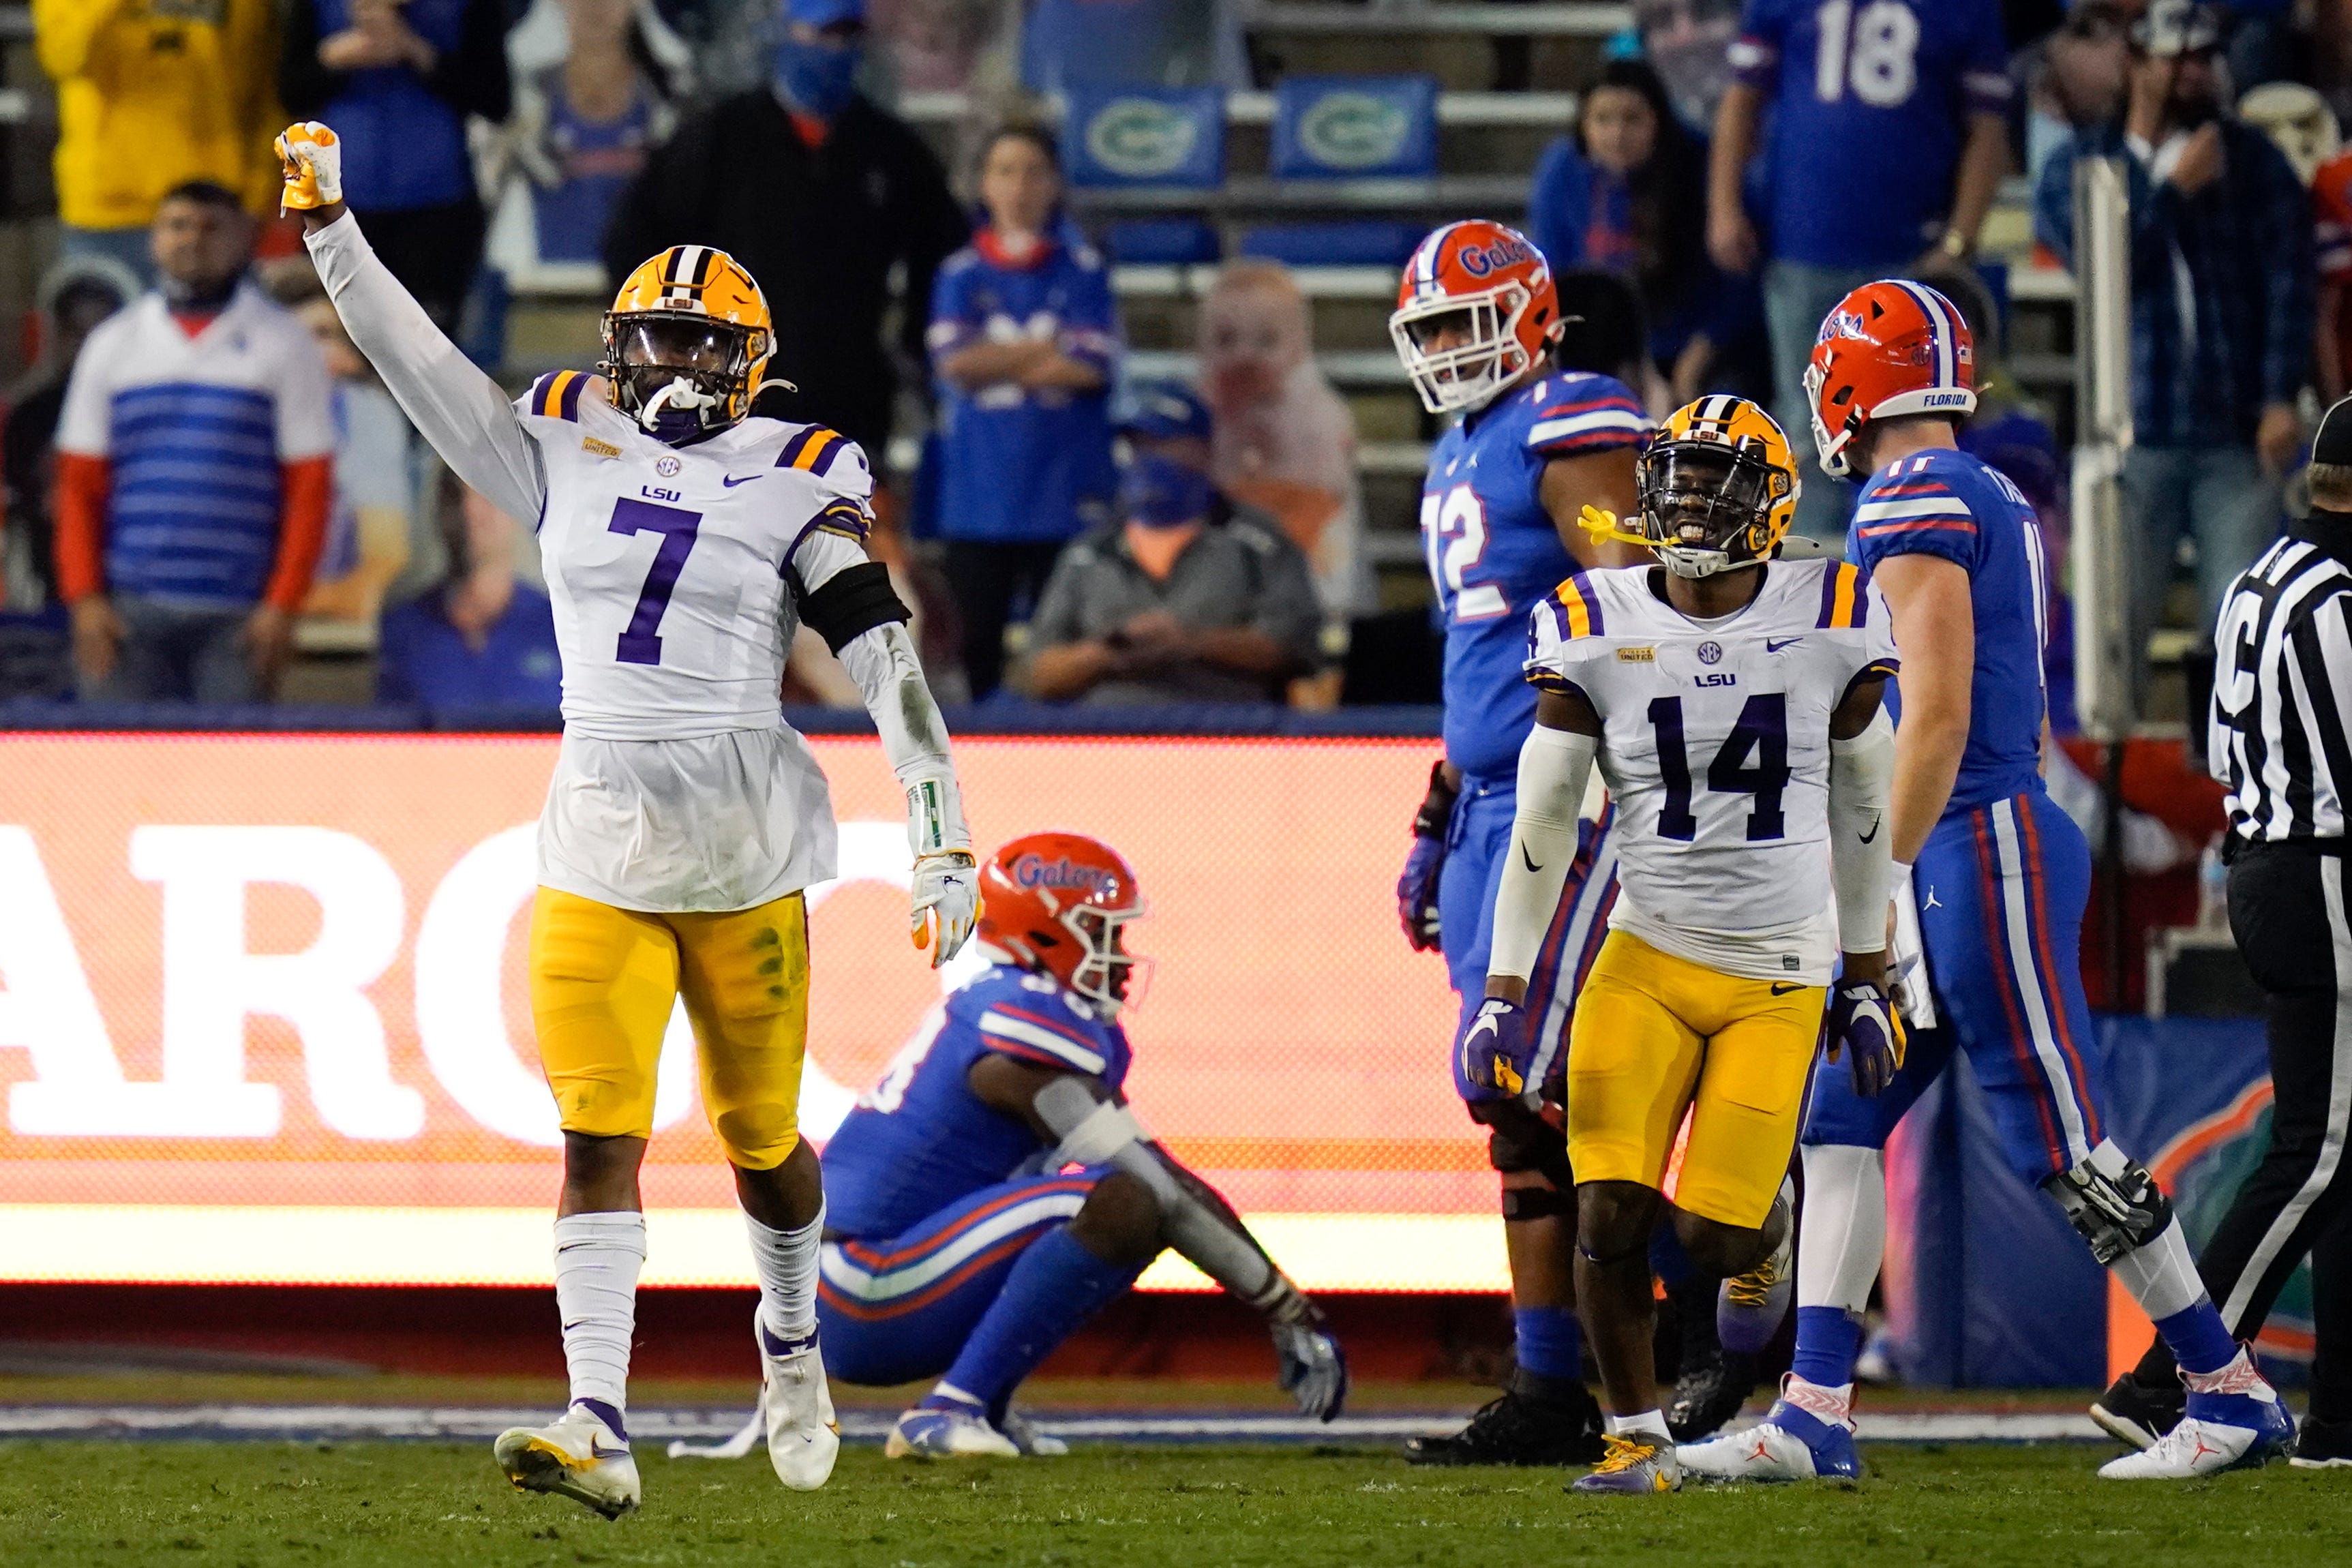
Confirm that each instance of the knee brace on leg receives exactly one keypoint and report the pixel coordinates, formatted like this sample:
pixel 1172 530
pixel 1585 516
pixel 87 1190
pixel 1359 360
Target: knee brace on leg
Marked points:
pixel 1537 1203
pixel 2112 1201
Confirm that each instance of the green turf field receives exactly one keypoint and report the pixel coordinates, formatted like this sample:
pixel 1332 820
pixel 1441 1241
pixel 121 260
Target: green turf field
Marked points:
pixel 1981 1507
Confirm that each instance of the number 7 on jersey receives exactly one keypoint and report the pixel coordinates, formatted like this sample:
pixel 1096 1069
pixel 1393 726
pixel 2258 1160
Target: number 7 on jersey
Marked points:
pixel 641 642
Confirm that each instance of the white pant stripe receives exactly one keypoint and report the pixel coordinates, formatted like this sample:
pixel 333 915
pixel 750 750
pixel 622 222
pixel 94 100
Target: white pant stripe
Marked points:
pixel 846 1276
pixel 2019 936
pixel 1552 1038
pixel 2339 1108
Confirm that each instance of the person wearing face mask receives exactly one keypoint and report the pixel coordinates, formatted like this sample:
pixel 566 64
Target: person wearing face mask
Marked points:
pixel 1189 597
pixel 2223 279
pixel 820 194
pixel 1023 337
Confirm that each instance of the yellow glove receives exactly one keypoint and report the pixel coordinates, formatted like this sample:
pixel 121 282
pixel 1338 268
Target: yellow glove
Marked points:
pixel 313 156
pixel 1604 527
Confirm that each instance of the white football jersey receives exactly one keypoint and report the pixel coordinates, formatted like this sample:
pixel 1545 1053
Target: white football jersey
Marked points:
pixel 1715 743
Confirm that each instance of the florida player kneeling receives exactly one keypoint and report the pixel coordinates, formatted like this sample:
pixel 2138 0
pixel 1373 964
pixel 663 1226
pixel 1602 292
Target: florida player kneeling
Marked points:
pixel 994 1190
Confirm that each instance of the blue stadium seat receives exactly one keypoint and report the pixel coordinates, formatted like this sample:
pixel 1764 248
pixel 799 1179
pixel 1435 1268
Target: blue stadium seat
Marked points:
pixel 1163 241
pixel 1371 242
pixel 1128 136
pixel 1355 128
pixel 1069 44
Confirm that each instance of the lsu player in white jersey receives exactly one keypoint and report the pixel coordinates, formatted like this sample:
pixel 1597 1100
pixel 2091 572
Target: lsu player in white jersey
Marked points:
pixel 1731 701
pixel 683 541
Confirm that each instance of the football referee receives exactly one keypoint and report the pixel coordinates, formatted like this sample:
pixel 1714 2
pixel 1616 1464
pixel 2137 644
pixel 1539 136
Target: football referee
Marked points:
pixel 2279 738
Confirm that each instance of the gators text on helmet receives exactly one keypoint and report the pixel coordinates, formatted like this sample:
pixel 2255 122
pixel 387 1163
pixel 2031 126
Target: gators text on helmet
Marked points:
pixel 1476 310
pixel 687 342
pixel 1054 902
pixel 1719 486
pixel 1891 349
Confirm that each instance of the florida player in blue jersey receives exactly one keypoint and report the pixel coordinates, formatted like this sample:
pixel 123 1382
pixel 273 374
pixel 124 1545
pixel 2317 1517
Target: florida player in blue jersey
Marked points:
pixel 994 1190
pixel 1991 882
pixel 1478 323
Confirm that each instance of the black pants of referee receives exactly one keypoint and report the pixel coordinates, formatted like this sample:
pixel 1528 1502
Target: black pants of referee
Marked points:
pixel 2291 911
pixel 988 580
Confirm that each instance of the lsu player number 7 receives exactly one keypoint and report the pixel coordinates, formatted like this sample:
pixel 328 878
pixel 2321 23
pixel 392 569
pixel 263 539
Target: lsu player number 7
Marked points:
pixel 1731 701
pixel 683 541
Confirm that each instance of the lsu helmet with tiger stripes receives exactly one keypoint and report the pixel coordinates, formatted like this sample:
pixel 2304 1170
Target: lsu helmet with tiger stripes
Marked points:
pixel 687 342
pixel 1718 486
pixel 1890 349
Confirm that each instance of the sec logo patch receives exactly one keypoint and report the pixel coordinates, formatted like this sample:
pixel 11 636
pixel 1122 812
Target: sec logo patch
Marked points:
pixel 667 468
pixel 1710 653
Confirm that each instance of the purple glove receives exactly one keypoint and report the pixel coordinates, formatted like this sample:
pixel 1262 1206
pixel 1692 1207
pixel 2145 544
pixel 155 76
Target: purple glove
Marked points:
pixel 1496 1052
pixel 1860 1019
pixel 1417 889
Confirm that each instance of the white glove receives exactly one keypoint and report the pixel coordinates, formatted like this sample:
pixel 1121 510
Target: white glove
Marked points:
pixel 313 156
pixel 945 903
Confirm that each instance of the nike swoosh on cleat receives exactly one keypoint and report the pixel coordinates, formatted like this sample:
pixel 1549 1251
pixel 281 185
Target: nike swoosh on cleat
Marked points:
pixel 1529 859
pixel 1774 644
pixel 730 481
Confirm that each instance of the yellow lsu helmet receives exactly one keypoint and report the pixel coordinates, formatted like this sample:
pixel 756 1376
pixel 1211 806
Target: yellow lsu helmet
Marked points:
pixel 1718 486
pixel 687 342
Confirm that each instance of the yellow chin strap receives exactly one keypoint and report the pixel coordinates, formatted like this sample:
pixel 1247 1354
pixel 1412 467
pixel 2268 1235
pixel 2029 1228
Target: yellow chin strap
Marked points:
pixel 1604 527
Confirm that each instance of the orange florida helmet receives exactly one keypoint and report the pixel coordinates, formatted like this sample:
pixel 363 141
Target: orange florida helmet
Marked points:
pixel 687 342
pixel 1475 310
pixel 1055 902
pixel 1891 349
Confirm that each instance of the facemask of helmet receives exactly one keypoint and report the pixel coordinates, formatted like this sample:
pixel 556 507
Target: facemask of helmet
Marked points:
pixel 1481 352
pixel 679 376
pixel 1707 507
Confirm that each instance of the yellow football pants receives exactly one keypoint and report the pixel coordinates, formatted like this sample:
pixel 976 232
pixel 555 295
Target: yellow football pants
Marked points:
pixel 1654 1036
pixel 603 985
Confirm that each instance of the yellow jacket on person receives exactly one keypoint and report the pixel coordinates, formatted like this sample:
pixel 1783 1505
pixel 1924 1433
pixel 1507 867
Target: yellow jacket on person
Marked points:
pixel 152 94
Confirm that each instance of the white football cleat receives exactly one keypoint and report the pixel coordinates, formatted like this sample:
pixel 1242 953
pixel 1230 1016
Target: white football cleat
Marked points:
pixel 1023 1434
pixel 928 1432
pixel 804 1438
pixel 575 1456
pixel 2197 1447
pixel 1761 1453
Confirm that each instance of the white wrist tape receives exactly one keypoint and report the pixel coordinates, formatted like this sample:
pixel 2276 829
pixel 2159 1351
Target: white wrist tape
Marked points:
pixel 1862 836
pixel 1554 767
pixel 890 678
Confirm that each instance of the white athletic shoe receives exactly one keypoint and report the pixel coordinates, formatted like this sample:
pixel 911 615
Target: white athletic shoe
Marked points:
pixel 928 1432
pixel 575 1456
pixel 1024 1436
pixel 1761 1453
pixel 2197 1447
pixel 804 1438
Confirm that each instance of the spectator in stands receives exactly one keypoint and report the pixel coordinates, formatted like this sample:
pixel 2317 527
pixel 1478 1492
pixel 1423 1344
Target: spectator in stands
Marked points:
pixel 74 297
pixel 1190 598
pixel 2331 200
pixel 151 97
pixel 431 658
pixel 1624 192
pixel 1884 145
pixel 1285 441
pixel 583 126
pixel 933 46
pixel 1024 339
pixel 822 195
pixel 368 527
pixel 2221 310
pixel 1687 41
pixel 1112 43
pixel 2076 78
pixel 397 80
pixel 194 473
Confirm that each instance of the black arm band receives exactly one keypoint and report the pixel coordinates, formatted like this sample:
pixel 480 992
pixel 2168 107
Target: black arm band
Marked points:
pixel 852 602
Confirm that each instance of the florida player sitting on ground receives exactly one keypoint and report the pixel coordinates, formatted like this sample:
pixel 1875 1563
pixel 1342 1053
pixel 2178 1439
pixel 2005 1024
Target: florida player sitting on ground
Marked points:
pixel 994 1189
pixel 1732 703
pixel 1476 323
pixel 1994 877
pixel 683 542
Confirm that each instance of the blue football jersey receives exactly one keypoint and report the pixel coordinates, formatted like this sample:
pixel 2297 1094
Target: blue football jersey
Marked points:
pixel 1960 508
pixel 920 1140
pixel 1870 100
pixel 1494 553
pixel 1018 464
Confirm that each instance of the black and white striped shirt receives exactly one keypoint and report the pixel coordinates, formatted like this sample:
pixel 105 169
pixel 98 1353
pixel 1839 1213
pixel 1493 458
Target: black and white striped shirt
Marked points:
pixel 2280 734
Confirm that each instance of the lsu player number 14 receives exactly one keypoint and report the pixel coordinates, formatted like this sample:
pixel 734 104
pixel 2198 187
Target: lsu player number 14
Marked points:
pixel 1731 701
pixel 683 540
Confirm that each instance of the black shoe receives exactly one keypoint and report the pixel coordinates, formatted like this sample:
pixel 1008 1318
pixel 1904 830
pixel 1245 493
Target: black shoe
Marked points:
pixel 1708 1394
pixel 2323 1445
pixel 2137 1413
pixel 1538 1421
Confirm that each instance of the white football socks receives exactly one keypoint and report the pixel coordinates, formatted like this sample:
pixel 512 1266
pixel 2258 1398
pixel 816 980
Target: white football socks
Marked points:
pixel 597 1257
pixel 785 1261
pixel 1844 1238
pixel 1649 1424
pixel 2160 1274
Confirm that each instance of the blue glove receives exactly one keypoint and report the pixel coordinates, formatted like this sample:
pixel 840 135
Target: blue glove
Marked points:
pixel 1417 889
pixel 1860 1019
pixel 1496 1052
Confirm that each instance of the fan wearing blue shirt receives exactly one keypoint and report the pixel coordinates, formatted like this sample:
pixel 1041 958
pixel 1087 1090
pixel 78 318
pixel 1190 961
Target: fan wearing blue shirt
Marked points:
pixel 1887 139
pixel 1024 338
